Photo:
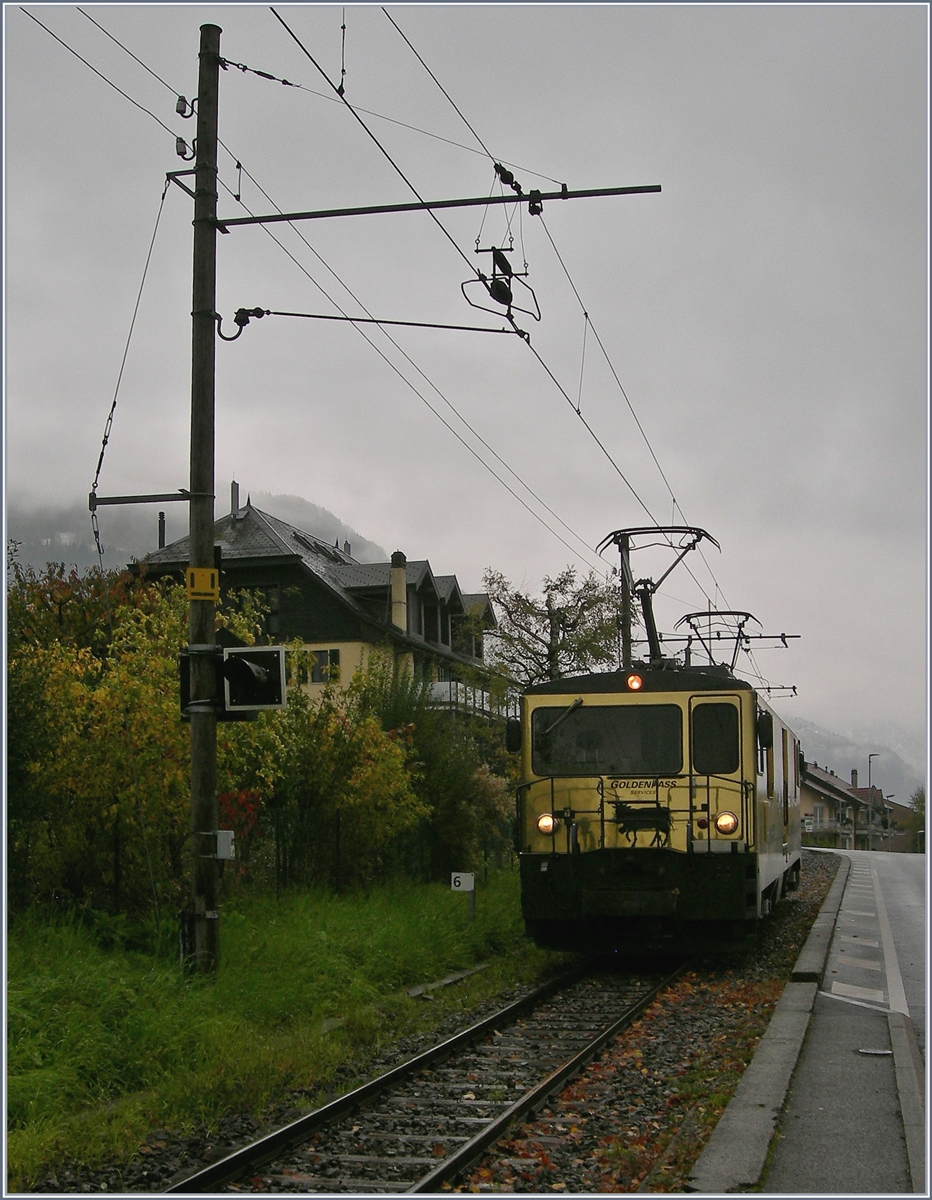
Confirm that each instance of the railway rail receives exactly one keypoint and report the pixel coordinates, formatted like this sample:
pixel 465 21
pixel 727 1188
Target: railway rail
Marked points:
pixel 425 1122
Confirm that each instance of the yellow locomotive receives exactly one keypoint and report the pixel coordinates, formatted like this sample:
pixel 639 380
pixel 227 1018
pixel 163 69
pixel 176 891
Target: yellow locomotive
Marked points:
pixel 658 809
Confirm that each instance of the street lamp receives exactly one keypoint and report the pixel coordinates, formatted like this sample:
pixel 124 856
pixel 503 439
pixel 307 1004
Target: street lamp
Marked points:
pixel 889 820
pixel 870 803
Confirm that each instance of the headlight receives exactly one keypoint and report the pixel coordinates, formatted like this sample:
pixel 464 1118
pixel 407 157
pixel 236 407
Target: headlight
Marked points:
pixel 547 823
pixel 726 822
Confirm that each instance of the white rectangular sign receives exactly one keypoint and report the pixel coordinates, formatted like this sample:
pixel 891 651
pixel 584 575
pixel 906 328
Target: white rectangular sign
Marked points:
pixel 463 881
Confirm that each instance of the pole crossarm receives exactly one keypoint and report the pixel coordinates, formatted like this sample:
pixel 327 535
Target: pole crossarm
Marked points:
pixel 223 223
pixel 94 501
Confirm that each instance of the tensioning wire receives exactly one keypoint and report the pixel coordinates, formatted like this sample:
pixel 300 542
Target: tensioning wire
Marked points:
pixel 594 562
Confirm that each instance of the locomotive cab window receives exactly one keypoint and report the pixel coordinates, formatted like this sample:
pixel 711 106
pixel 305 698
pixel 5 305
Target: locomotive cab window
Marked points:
pixel 590 739
pixel 715 745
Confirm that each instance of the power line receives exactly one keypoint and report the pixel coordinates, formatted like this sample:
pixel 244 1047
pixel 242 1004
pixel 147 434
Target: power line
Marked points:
pixel 434 388
pixel 99 74
pixel 129 52
pixel 406 356
pixel 439 84
pixel 382 149
pixel 411 362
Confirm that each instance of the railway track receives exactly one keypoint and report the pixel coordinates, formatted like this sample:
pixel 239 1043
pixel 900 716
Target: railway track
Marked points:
pixel 428 1120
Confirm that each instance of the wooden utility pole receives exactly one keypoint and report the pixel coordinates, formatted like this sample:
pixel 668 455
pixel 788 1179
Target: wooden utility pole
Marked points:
pixel 204 814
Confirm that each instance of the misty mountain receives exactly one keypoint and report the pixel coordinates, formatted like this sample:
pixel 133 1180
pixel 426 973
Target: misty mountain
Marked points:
pixel 319 521
pixel 131 531
pixel 843 752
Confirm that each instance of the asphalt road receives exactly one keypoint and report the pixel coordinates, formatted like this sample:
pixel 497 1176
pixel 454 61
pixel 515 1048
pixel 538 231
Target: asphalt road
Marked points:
pixel 902 882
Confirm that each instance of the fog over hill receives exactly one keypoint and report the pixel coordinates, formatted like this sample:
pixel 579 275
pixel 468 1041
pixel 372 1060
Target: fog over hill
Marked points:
pixel 57 534
pixel 891 771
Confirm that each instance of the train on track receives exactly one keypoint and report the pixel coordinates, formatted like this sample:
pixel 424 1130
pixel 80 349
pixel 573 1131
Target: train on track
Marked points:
pixel 658 810
pixel 658 805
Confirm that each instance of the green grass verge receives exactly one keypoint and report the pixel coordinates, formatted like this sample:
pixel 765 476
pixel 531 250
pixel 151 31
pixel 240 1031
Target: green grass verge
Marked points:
pixel 104 1043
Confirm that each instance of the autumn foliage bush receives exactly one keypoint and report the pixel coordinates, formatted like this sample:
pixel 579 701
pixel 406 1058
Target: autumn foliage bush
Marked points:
pixel 342 792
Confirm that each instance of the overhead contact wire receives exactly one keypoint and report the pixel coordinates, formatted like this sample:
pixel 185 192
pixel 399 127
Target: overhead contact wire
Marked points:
pixel 99 75
pixel 611 366
pixel 578 406
pixel 559 386
pixel 439 84
pixel 529 490
pixel 433 386
pixel 381 148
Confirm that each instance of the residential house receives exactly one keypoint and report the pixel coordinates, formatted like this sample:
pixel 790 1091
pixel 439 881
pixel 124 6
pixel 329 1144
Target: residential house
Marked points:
pixel 343 610
pixel 827 809
pixel 842 815
pixel 886 823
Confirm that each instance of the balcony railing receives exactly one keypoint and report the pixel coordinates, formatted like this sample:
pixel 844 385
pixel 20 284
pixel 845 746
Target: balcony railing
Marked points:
pixel 462 697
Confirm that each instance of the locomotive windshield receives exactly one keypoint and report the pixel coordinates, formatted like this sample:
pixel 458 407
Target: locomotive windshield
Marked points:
pixel 592 739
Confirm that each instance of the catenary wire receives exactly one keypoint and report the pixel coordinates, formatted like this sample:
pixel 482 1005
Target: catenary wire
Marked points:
pixel 438 83
pixel 599 565
pixel 129 52
pixel 99 74
pixel 589 324
pixel 381 148
pixel 439 224
pixel 533 350
pixel 529 490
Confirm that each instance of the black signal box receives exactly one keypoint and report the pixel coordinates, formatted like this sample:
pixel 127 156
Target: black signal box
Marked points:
pixel 253 678
pixel 248 678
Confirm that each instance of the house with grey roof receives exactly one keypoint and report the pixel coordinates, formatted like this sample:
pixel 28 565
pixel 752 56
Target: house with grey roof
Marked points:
pixel 342 610
pixel 835 813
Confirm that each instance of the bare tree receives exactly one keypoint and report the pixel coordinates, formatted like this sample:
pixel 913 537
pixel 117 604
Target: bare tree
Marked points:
pixel 570 628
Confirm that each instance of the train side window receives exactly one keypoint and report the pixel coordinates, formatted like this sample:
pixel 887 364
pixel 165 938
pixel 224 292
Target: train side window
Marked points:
pixel 715 745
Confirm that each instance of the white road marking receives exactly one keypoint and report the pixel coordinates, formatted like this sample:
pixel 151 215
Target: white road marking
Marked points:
pixel 852 960
pixel 895 987
pixel 857 993
pixel 851 1000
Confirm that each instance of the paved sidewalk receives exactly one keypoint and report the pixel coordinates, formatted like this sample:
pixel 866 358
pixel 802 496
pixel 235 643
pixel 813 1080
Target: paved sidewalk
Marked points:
pixel 835 1092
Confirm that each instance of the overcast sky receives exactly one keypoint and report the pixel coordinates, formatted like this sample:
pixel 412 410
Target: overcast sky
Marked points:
pixel 766 314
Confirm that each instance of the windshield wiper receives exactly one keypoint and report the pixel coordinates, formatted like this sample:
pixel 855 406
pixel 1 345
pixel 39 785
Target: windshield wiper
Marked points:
pixel 562 717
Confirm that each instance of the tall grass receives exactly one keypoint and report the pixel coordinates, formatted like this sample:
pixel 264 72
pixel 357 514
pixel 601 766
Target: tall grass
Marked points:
pixel 103 1042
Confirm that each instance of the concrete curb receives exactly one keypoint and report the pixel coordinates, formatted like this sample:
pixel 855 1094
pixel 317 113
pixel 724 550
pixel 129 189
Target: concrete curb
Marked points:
pixel 734 1156
pixel 910 1086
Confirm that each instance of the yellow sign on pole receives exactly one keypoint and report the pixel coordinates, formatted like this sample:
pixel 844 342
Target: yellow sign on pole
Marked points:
pixel 202 583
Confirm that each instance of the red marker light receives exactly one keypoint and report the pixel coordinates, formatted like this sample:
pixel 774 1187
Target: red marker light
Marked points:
pixel 635 683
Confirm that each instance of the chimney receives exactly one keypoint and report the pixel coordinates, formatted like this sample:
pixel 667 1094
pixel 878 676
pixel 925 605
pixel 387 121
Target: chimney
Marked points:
pixel 161 531
pixel 234 497
pixel 347 549
pixel 399 591
pixel 854 777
